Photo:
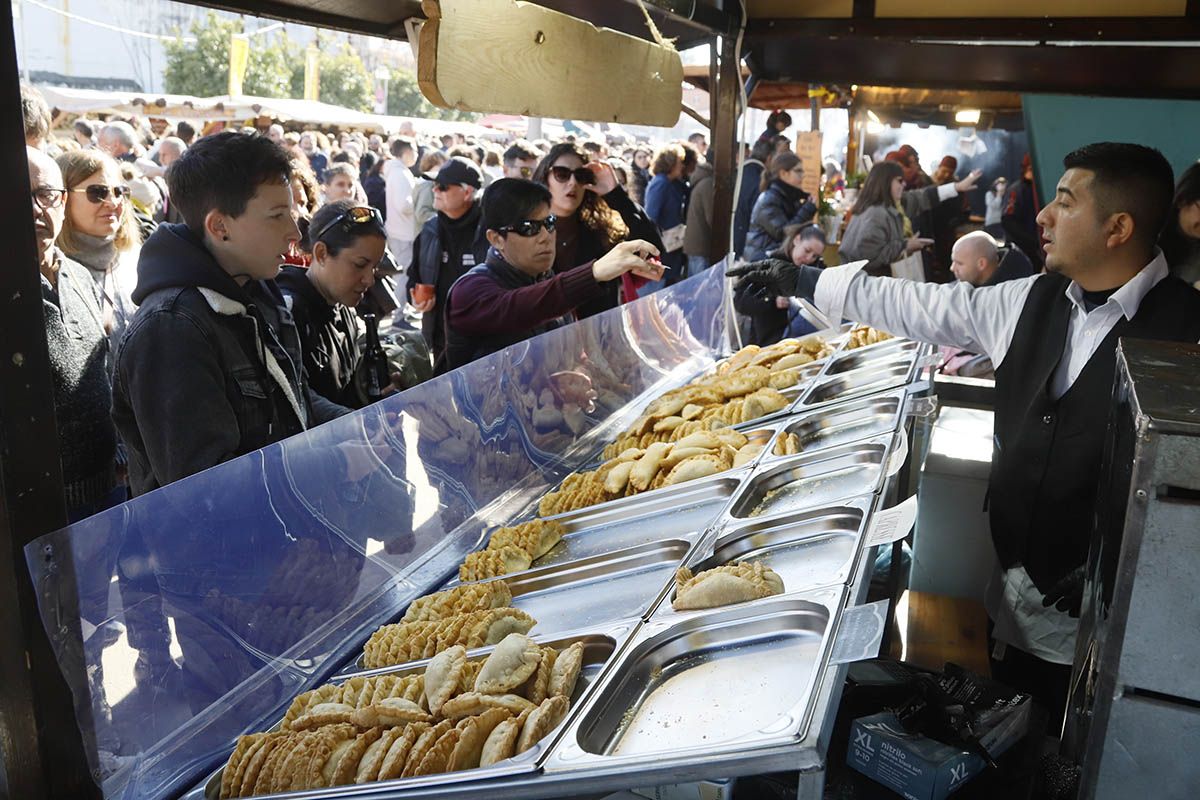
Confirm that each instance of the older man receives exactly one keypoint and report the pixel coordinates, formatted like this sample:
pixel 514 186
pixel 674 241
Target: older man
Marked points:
pixel 78 344
pixel 118 140
pixel 169 150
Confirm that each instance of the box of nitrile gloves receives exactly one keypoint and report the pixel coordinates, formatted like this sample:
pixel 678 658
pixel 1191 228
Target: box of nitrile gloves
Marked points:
pixel 918 767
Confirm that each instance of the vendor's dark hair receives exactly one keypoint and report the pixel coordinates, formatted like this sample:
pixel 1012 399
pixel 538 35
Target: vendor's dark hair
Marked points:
pixel 597 215
pixel 877 188
pixel 1132 178
pixel 510 200
pixel 520 150
pixel 779 116
pixel 1177 246
pixel 223 172
pixel 339 236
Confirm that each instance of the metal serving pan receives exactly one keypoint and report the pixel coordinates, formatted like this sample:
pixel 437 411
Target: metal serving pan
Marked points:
pixel 810 480
pixel 675 509
pixel 600 645
pixel 872 377
pixel 713 684
pixel 842 423
pixel 891 350
pixel 809 550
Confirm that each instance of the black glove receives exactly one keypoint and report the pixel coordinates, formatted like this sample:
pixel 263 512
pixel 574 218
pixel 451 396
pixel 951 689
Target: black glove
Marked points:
pixel 774 273
pixel 1067 594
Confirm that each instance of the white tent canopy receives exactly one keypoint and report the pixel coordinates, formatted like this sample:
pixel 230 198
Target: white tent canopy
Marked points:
pixel 234 109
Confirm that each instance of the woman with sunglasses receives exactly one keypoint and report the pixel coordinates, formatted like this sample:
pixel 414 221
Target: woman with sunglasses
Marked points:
pixel 515 295
pixel 345 242
pixel 100 232
pixel 593 214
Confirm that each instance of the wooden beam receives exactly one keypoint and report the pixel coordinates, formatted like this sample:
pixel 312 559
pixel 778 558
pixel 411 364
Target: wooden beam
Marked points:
pixel 1036 29
pixel 41 750
pixel 1111 71
pixel 725 149
pixel 537 62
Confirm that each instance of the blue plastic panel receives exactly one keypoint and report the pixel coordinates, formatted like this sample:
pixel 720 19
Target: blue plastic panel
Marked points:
pixel 207 605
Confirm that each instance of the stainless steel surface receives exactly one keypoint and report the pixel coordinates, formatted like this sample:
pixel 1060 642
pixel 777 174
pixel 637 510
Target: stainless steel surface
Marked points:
pixel 891 350
pixel 808 550
pixel 690 505
pixel 599 647
pixel 728 681
pixel 596 590
pixel 873 377
pixel 813 479
pixel 842 423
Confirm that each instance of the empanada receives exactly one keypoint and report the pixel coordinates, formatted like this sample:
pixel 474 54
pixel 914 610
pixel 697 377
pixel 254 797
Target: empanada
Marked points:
pixel 235 767
pixel 346 768
pixel 389 713
pixel 746 454
pixel 323 714
pixel 255 762
pixel 422 745
pixel 310 774
pixel 396 758
pixel 437 758
pixel 724 585
pixel 792 361
pixel 690 469
pixel 618 477
pixel 501 743
pixel 473 732
pixel 542 720
pixel 459 600
pixel 492 626
pixel 509 665
pixel 443 676
pixel 485 564
pixel 567 665
pixel 537 688
pixel 646 467
pixel 468 704
pixel 372 759
pixel 536 537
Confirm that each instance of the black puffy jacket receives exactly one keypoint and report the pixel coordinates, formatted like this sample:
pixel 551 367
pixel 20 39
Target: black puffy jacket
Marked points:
pixel 779 206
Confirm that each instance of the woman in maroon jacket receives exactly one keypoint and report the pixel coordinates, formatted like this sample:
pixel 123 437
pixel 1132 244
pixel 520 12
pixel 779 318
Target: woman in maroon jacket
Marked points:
pixel 515 294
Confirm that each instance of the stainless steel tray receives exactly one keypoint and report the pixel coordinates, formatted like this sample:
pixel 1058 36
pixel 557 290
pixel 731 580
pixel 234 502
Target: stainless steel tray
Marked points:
pixel 811 480
pixel 873 376
pixel 809 550
pixel 692 505
pixel 692 690
pixel 892 349
pixel 842 423
pixel 599 647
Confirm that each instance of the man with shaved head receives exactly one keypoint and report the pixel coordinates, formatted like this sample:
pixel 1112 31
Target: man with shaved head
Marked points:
pixel 75 336
pixel 976 258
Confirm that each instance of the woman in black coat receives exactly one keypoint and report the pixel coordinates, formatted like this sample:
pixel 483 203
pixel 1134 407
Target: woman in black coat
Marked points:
pixel 782 203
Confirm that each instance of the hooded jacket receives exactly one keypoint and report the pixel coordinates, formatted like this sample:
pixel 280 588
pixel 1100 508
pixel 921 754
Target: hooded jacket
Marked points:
pixel 208 370
pixel 328 337
pixel 779 206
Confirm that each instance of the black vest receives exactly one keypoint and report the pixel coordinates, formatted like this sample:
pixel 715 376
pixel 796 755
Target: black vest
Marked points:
pixel 462 349
pixel 1046 465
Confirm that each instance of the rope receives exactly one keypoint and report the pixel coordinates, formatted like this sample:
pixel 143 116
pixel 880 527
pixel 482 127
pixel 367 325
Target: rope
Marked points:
pixel 654 31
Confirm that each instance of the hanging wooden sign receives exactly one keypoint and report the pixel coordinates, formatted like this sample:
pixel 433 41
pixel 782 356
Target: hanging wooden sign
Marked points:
pixel 510 57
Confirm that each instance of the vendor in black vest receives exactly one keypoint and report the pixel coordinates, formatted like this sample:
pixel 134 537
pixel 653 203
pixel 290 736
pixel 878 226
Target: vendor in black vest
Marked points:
pixel 448 245
pixel 346 242
pixel 515 295
pixel 1053 340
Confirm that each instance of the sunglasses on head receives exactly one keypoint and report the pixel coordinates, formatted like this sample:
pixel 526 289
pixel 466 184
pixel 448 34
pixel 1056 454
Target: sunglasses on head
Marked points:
pixel 583 175
pixel 359 215
pixel 530 227
pixel 98 193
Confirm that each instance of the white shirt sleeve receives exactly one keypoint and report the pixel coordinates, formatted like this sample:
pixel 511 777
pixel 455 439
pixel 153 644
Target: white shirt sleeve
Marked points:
pixel 981 320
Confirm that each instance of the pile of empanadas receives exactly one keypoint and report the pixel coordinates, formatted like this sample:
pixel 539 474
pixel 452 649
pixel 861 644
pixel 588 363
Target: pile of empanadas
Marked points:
pixel 456 715
pixel 660 464
pixel 863 335
pixel 787 445
pixel 724 585
pixel 410 641
pixel 512 549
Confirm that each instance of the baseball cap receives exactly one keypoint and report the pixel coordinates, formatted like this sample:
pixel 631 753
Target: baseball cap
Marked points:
pixel 458 170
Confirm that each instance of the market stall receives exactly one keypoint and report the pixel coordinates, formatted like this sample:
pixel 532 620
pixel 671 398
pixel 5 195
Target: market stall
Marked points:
pixel 276 570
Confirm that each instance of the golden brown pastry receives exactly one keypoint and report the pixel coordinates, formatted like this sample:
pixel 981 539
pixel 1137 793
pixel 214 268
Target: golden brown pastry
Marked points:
pixel 536 537
pixel 724 585
pixel 565 672
pixel 485 564
pixel 459 600
pixel 473 733
pixel 542 720
pixel 509 665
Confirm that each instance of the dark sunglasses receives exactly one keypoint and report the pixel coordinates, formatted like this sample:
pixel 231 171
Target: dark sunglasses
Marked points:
pixel 98 193
pixel 583 175
pixel 530 227
pixel 359 215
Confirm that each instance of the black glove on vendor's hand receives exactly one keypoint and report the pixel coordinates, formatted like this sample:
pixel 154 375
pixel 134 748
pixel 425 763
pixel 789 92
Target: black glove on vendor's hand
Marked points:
pixel 1067 594
pixel 782 277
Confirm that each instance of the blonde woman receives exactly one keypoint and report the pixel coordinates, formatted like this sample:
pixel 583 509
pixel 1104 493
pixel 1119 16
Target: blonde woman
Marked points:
pixel 100 232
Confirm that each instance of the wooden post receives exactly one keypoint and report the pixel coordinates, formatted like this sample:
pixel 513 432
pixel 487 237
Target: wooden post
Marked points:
pixel 853 141
pixel 725 143
pixel 40 744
